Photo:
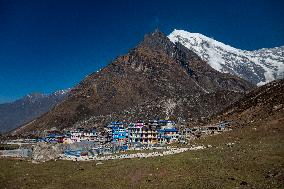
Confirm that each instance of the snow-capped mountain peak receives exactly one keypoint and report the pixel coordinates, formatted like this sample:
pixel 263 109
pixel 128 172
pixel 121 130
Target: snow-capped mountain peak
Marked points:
pixel 259 66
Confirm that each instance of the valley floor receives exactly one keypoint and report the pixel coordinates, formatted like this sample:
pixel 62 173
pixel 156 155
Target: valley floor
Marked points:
pixel 248 157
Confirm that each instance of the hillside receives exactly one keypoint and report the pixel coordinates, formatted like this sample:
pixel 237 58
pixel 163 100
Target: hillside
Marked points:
pixel 248 157
pixel 258 66
pixel 156 79
pixel 260 105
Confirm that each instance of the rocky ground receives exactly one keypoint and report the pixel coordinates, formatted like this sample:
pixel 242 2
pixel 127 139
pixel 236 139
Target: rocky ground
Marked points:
pixel 44 152
pixel 262 104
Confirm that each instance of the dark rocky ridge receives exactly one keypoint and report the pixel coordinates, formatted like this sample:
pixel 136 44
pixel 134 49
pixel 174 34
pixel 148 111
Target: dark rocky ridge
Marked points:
pixel 262 104
pixel 157 79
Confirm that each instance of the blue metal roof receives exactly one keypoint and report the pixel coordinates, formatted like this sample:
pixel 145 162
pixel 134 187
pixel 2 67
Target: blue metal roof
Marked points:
pixel 168 130
pixel 166 121
pixel 117 123
pixel 117 127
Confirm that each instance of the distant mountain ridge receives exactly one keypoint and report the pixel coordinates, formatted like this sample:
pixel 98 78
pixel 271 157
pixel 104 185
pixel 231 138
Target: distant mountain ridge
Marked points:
pixel 14 114
pixel 259 66
pixel 156 79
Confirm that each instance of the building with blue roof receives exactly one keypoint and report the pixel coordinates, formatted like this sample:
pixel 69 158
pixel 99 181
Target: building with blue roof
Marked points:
pixel 119 135
pixel 167 135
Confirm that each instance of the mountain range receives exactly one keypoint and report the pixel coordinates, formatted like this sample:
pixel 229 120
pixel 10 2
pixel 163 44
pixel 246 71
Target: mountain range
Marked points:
pixel 14 114
pixel 157 79
pixel 183 76
pixel 259 66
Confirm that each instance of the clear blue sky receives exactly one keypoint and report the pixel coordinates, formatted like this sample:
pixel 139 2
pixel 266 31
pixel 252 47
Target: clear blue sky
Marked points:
pixel 47 45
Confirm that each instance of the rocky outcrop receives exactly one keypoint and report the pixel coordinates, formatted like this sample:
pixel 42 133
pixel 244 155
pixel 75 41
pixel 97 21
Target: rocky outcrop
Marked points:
pixel 44 151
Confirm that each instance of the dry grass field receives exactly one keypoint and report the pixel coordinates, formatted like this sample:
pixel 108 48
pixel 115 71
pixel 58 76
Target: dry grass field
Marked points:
pixel 248 157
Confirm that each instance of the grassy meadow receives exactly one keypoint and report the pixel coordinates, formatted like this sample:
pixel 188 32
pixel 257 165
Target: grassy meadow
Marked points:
pixel 254 160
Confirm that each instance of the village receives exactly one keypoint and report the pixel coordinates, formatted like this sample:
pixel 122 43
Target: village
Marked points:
pixel 118 140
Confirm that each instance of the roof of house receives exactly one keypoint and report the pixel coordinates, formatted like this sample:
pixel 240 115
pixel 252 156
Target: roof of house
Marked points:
pixel 168 130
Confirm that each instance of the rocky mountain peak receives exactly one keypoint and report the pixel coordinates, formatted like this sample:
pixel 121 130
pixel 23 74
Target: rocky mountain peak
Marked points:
pixel 157 41
pixel 35 95
pixel 157 46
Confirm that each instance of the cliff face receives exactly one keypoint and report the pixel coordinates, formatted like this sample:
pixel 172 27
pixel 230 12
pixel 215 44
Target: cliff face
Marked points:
pixel 157 79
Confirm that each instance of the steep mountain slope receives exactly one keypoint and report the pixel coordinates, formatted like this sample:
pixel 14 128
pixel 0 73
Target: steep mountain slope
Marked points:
pixel 262 104
pixel 157 79
pixel 21 111
pixel 259 67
